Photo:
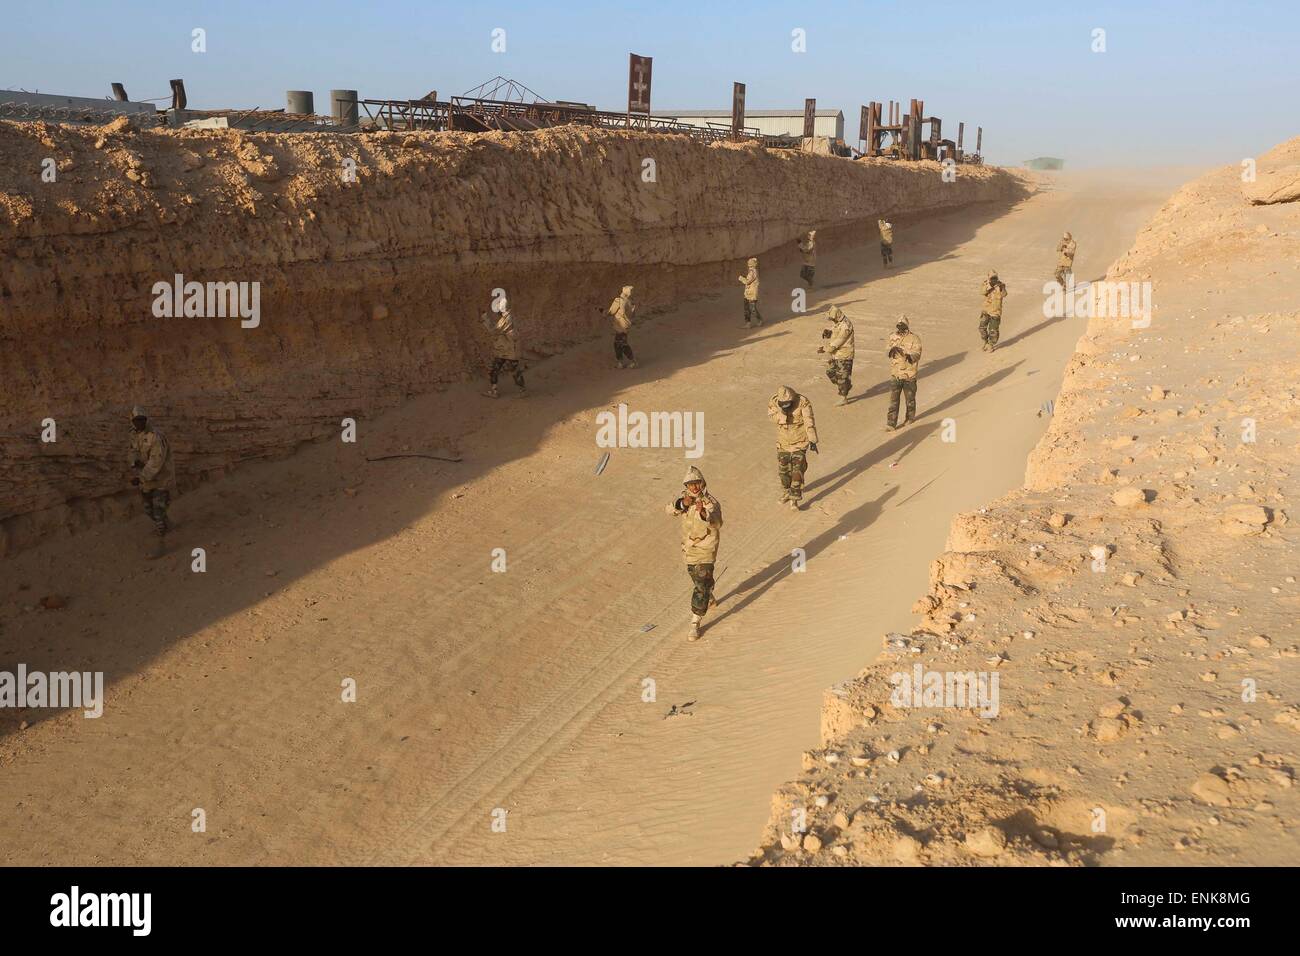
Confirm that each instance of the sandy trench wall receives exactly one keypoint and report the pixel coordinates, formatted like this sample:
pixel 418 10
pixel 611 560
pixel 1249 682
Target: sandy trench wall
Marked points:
pixel 370 290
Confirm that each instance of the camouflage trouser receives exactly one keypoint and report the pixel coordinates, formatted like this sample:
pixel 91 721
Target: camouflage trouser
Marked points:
pixel 702 575
pixel 989 325
pixel 751 312
pixel 621 348
pixel 899 387
pixel 886 253
pixel 840 372
pixel 791 465
pixel 807 273
pixel 155 508
pixel 1063 273
pixel 500 365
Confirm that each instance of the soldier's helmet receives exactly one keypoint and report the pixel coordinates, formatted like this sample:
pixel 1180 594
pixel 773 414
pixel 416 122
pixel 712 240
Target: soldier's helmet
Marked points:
pixel 786 397
pixel 993 274
pixel 902 324
pixel 752 263
pixel 1067 235
pixel 694 474
pixel 627 291
pixel 835 314
pixel 138 412
pixel 812 233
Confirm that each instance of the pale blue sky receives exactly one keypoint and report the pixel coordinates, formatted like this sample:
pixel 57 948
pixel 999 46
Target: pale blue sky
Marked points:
pixel 1180 82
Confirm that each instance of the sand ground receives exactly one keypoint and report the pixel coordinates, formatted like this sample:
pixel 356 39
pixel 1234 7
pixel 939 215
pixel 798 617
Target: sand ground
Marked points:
pixel 524 690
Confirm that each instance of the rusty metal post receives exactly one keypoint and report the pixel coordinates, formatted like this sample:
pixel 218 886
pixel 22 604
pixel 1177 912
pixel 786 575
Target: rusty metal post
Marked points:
pixel 809 118
pixel 737 110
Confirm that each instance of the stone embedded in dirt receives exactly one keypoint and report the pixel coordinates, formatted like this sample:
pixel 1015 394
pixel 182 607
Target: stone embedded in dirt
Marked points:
pixel 1113 709
pixel 52 602
pixel 1259 640
pixel 789 842
pixel 1129 497
pixel 1156 394
pixel 1245 519
pixel 1057 520
pixel 1108 729
pixel 988 842
pixel 1212 789
pixel 812 843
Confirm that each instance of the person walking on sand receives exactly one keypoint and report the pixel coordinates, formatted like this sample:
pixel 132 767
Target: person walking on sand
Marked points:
pixel 991 318
pixel 1065 250
pixel 796 435
pixel 904 362
pixel 750 281
pixel 150 458
pixel 808 248
pixel 701 525
pixel 505 349
pixel 886 241
pixel 838 349
pixel 621 311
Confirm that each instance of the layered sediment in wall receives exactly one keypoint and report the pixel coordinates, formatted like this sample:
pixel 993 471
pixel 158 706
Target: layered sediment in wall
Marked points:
pixel 1104 668
pixel 373 257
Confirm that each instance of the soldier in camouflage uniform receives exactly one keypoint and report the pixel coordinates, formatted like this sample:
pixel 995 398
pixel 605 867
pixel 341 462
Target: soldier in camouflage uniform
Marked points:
pixel 155 474
pixel 750 282
pixel 701 516
pixel 991 318
pixel 796 434
pixel 904 361
pixel 838 348
pixel 808 247
pixel 886 241
pixel 621 311
pixel 1065 258
pixel 505 350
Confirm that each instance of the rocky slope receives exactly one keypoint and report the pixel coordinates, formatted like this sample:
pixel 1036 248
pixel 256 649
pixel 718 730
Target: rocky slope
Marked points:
pixel 1135 602
pixel 373 255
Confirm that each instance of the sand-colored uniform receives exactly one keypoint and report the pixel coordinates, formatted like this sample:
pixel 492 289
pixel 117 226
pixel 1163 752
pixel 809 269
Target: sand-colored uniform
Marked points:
pixel 621 311
pixel 991 318
pixel 886 241
pixel 153 453
pixel 505 348
pixel 750 282
pixel 701 524
pixel 808 249
pixel 1065 259
pixel 151 459
pixel 839 352
pixel 1065 250
pixel 795 432
pixel 904 360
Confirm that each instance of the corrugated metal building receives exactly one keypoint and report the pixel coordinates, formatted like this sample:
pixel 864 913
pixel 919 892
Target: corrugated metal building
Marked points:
pixel 769 122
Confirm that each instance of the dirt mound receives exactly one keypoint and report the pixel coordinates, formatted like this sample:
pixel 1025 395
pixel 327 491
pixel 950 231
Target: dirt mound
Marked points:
pixel 370 257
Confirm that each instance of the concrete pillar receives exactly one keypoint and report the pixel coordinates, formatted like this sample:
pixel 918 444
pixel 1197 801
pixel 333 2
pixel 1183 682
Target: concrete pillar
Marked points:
pixel 300 101
pixel 343 107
